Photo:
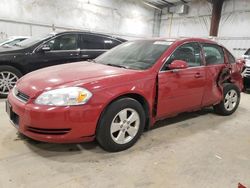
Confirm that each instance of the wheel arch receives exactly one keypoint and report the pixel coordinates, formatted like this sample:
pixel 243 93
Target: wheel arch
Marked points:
pixel 16 66
pixel 138 97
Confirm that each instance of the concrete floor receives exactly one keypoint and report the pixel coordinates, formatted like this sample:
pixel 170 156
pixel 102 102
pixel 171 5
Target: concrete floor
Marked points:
pixel 192 150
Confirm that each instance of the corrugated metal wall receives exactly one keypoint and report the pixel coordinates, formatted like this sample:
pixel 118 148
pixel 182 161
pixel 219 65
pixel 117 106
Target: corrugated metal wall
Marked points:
pixel 237 45
pixel 234 32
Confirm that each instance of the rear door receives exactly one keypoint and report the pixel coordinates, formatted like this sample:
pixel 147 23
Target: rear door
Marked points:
pixel 215 62
pixel 181 90
pixel 91 46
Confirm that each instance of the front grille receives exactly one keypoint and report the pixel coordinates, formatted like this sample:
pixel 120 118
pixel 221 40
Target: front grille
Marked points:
pixel 20 96
pixel 48 131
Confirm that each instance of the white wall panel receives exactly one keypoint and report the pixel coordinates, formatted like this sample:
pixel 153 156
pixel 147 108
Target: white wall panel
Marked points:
pixel 195 23
pixel 13 29
pixel 236 45
pixel 235 20
pixel 128 18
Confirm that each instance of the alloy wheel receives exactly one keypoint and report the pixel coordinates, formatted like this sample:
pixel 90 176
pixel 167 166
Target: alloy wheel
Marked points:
pixel 230 100
pixel 125 126
pixel 7 82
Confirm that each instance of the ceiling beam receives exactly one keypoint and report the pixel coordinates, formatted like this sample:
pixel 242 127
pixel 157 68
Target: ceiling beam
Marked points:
pixel 216 16
pixel 151 5
pixel 184 1
pixel 168 3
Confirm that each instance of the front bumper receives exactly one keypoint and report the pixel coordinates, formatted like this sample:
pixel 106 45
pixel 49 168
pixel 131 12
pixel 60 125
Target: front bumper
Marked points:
pixel 71 124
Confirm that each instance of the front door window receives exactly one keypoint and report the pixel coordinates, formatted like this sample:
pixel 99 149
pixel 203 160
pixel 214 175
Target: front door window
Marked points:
pixel 64 42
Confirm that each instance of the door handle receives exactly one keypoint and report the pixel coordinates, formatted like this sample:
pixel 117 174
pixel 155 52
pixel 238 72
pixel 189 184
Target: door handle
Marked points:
pixel 198 75
pixel 74 54
pixel 84 56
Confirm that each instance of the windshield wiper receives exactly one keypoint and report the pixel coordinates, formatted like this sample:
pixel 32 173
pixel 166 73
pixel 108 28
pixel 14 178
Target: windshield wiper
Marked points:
pixel 120 66
pixel 91 60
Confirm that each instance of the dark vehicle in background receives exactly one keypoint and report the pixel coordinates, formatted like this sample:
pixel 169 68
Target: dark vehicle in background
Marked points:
pixel 53 49
pixel 246 70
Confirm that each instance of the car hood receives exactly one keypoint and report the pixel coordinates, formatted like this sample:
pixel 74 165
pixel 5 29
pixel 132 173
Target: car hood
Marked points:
pixel 67 75
pixel 10 50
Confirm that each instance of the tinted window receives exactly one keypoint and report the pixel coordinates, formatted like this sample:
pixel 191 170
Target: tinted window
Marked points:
pixel 247 52
pixel 110 43
pixel 135 55
pixel 230 57
pixel 191 53
pixel 92 42
pixel 64 42
pixel 213 54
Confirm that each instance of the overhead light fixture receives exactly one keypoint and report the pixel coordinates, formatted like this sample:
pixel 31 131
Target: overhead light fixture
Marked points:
pixel 155 7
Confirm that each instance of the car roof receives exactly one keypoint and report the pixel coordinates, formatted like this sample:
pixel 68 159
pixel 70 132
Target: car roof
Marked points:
pixel 88 32
pixel 183 40
pixel 18 37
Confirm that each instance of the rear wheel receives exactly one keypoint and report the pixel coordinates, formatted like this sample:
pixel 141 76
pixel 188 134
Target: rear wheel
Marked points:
pixel 121 125
pixel 230 101
pixel 8 78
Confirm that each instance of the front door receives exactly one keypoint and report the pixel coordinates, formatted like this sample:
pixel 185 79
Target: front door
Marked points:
pixel 63 49
pixel 181 90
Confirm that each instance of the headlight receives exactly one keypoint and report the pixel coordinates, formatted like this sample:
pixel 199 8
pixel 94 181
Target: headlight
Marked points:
pixel 64 97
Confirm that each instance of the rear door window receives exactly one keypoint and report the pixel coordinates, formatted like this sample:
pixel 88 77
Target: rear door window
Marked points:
pixel 92 42
pixel 213 54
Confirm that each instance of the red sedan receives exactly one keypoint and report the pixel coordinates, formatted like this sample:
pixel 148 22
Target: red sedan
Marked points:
pixel 125 91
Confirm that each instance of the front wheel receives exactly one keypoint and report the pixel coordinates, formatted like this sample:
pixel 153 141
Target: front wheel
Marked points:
pixel 8 78
pixel 121 125
pixel 230 101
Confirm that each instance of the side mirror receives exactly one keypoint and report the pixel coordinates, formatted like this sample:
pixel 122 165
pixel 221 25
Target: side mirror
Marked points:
pixel 178 64
pixel 45 48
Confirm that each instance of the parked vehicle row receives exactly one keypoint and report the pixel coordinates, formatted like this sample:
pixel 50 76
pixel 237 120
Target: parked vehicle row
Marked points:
pixel 115 97
pixel 53 49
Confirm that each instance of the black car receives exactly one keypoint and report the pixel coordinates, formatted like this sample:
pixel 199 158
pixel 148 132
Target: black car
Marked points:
pixel 53 49
pixel 246 71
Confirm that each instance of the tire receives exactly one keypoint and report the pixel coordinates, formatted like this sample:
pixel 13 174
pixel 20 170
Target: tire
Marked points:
pixel 230 102
pixel 116 131
pixel 8 78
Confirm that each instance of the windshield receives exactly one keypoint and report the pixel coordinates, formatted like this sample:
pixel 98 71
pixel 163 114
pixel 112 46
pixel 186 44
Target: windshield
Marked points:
pixel 33 40
pixel 139 55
